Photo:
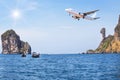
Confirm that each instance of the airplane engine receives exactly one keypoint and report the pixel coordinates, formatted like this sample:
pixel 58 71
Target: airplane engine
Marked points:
pixel 84 14
pixel 74 17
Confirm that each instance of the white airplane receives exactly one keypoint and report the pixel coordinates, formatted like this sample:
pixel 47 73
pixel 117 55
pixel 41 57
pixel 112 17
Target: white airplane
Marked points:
pixel 77 15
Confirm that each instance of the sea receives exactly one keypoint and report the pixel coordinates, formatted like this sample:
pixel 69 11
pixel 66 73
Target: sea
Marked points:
pixel 60 67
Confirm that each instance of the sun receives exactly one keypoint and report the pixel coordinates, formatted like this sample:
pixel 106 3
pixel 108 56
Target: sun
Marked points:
pixel 16 14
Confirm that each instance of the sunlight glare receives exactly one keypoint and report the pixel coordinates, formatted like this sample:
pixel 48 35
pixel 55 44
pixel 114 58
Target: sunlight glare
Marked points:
pixel 16 14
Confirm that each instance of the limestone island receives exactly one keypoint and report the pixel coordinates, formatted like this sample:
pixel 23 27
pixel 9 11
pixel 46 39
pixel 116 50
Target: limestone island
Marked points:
pixel 109 44
pixel 11 44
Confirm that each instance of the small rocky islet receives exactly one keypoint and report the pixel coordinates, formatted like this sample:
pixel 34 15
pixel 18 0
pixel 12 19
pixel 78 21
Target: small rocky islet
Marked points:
pixel 12 44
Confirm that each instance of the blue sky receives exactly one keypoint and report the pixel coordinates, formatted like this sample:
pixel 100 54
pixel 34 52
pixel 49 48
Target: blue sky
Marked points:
pixel 49 29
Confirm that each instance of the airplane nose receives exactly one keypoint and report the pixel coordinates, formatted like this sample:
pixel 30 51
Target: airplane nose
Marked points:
pixel 66 9
pixel 69 9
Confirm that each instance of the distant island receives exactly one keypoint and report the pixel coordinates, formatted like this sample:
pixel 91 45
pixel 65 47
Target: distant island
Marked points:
pixel 11 44
pixel 109 44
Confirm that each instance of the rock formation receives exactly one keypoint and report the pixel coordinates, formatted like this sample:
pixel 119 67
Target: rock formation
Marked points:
pixel 105 43
pixel 11 43
pixel 110 44
pixel 117 30
pixel 102 31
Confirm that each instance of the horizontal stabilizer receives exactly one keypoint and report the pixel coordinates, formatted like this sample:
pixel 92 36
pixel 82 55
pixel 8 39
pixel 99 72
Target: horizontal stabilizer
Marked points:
pixel 96 18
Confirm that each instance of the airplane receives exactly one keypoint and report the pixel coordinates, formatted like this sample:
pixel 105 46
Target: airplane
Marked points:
pixel 77 15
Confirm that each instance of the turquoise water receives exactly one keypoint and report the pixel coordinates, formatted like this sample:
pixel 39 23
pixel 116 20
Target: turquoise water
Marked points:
pixel 60 67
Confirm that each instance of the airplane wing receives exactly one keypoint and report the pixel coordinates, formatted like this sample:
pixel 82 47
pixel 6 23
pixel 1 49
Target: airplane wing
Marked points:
pixel 87 13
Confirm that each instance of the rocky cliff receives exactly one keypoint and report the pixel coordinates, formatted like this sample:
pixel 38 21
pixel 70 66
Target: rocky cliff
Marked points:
pixel 11 43
pixel 110 44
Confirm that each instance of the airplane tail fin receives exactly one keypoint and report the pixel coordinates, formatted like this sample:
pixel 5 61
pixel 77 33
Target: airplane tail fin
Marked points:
pixel 94 16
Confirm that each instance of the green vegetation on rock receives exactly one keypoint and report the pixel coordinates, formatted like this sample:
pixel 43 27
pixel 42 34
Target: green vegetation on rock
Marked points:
pixel 104 44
